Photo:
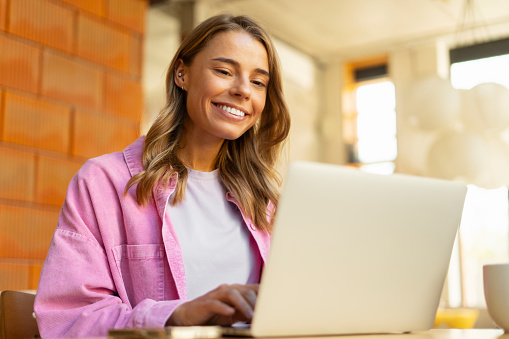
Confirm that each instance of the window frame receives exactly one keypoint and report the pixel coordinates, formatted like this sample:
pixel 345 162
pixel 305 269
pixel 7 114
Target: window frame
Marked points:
pixel 356 74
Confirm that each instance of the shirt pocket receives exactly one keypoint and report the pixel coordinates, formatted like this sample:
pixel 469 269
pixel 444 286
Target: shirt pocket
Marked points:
pixel 142 271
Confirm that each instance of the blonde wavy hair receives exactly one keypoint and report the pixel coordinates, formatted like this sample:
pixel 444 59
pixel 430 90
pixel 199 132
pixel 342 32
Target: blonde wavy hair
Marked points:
pixel 247 165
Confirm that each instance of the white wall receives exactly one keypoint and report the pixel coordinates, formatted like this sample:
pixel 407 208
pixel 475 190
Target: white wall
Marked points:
pixel 301 88
pixel 407 64
pixel 162 39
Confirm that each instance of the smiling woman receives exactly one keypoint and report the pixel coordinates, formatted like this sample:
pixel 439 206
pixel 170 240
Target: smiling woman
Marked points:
pixel 226 92
pixel 175 229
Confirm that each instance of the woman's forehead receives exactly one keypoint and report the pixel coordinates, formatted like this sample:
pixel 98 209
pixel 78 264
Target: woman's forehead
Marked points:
pixel 238 44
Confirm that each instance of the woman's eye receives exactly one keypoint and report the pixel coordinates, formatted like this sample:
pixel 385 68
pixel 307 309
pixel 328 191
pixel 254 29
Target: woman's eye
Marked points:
pixel 258 83
pixel 222 71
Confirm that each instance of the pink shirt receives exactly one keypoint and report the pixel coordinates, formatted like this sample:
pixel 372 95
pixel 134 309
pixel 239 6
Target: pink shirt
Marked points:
pixel 111 262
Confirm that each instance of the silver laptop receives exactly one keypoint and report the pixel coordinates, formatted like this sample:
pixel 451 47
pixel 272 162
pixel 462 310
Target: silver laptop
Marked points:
pixel 354 252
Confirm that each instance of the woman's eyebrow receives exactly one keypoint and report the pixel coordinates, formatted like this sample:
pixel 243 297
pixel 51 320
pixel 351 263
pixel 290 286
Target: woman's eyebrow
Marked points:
pixel 236 64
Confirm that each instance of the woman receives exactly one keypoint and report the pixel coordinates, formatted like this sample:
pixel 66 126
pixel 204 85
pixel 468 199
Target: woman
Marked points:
pixel 175 229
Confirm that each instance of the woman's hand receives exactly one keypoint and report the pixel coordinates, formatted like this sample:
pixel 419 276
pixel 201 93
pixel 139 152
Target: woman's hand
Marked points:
pixel 225 305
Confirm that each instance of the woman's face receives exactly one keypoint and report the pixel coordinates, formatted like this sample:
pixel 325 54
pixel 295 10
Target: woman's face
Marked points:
pixel 226 86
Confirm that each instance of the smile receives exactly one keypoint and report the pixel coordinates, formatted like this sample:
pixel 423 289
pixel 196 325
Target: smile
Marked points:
pixel 231 110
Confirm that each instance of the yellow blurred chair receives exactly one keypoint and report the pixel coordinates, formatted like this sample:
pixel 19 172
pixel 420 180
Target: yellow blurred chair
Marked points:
pixel 456 318
pixel 17 320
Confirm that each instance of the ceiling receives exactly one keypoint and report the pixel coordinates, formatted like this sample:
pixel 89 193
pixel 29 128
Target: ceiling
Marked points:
pixel 331 28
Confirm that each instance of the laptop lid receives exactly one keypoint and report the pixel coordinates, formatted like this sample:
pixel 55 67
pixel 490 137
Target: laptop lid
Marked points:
pixel 354 252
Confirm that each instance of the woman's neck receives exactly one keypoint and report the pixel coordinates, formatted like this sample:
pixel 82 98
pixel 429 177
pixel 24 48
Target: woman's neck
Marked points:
pixel 200 156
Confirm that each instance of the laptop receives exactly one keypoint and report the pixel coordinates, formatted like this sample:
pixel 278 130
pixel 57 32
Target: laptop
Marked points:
pixel 356 253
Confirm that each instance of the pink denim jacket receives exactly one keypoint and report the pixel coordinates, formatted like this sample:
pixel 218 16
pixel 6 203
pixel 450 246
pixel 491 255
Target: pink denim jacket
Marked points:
pixel 111 262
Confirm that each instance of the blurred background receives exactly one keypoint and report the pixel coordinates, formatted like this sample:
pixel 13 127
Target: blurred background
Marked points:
pixel 388 86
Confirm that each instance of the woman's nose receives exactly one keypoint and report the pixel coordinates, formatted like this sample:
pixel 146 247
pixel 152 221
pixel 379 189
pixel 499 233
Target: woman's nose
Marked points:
pixel 241 88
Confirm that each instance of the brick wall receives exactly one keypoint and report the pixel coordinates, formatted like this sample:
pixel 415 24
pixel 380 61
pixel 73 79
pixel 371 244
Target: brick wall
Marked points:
pixel 70 89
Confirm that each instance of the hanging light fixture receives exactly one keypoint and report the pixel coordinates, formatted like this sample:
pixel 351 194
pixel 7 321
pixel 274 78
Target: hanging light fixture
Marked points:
pixel 471 28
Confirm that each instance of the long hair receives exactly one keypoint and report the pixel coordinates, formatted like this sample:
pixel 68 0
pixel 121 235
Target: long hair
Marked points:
pixel 247 165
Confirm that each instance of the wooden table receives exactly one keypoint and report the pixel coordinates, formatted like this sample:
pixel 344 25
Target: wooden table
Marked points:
pixel 458 334
pixel 436 334
pixel 431 334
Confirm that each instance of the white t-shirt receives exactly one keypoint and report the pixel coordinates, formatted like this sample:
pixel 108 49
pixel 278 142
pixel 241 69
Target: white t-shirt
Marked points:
pixel 217 247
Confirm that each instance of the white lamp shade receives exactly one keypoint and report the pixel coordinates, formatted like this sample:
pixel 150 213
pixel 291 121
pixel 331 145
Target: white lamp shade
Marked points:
pixel 485 108
pixel 470 158
pixel 458 156
pixel 495 173
pixel 431 103
pixel 413 146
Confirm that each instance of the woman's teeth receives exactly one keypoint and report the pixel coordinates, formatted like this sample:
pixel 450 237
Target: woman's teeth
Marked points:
pixel 231 110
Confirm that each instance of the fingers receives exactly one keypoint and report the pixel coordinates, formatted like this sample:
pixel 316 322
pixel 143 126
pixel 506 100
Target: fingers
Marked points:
pixel 241 297
pixel 219 308
pixel 200 312
pixel 225 305
pixel 253 287
pixel 251 296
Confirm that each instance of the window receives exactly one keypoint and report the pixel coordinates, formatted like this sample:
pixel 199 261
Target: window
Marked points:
pixel 369 117
pixel 483 236
pixel 467 74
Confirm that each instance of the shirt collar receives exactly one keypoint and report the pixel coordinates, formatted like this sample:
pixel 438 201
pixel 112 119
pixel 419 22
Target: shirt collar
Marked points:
pixel 133 156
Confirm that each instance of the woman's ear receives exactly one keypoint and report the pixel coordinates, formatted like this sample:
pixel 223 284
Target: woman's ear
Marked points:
pixel 179 75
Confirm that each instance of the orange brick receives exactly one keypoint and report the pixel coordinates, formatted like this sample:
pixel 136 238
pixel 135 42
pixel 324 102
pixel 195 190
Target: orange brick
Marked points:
pixel 25 233
pixel 53 176
pixel 136 55
pixel 19 65
pixel 129 13
pixel 102 43
pixel 97 7
pixel 42 21
pixel 1 114
pixel 71 81
pixel 36 123
pixel 123 97
pixel 96 134
pixel 34 275
pixel 14 276
pixel 17 175
pixel 3 15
